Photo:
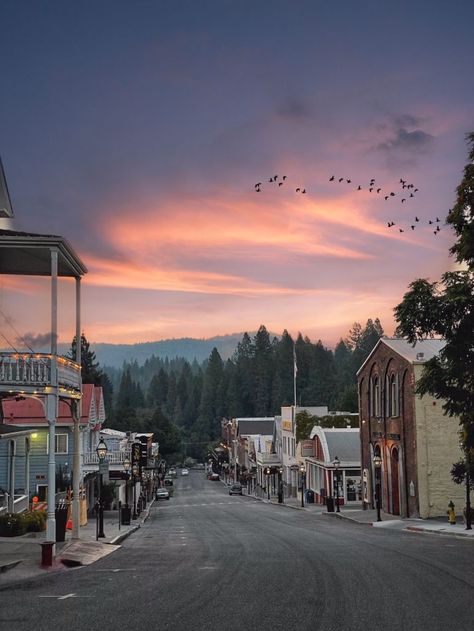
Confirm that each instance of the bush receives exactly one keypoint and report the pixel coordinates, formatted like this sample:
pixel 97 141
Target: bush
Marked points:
pixel 12 525
pixel 17 524
pixel 35 520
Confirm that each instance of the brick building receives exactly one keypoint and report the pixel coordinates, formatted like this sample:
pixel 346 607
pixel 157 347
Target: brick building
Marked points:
pixel 416 442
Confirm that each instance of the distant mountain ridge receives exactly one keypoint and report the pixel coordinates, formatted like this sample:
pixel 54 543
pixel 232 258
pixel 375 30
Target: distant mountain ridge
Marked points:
pixel 114 355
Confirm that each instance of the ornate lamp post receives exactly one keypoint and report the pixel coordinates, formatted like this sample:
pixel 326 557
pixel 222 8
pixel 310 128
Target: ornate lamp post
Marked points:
pixel 101 451
pixel 126 509
pixel 336 464
pixel 267 472
pixel 378 468
pixel 135 474
pixel 303 479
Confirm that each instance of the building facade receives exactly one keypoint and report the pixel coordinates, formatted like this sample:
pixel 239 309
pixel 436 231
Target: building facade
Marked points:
pixel 410 436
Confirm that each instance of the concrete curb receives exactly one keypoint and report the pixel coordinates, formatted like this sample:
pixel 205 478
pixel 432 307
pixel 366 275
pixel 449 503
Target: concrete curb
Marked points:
pixel 346 517
pixel 123 535
pixel 439 532
pixel 4 567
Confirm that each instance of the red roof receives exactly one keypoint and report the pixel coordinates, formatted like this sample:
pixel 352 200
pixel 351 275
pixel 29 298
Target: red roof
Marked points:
pixel 30 411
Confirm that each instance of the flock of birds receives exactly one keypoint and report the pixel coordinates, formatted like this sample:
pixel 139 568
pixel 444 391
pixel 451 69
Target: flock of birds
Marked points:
pixel 405 194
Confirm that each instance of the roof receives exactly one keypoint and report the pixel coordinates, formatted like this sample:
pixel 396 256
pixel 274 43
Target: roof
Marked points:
pixel 5 202
pixel 422 351
pixel 9 431
pixel 343 442
pixel 30 411
pixel 29 254
pixel 254 427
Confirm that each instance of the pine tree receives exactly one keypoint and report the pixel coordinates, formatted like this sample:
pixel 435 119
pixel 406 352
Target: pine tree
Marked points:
pixel 90 371
pixel 263 360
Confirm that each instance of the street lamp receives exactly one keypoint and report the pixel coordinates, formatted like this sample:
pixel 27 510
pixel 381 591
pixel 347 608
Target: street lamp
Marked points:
pixel 101 451
pixel 126 508
pixel 280 485
pixel 267 471
pixel 135 474
pixel 378 467
pixel 336 464
pixel 303 476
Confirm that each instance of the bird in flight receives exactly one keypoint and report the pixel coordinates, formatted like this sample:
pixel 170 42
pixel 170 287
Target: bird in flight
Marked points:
pixel 284 177
pixel 348 181
pixel 390 224
pixel 298 190
pixel 386 197
pixel 331 179
pixel 400 230
pixel 341 179
pixel 378 190
pixel 412 227
pixel 416 219
pixel 359 188
pixel 403 200
pixel 280 183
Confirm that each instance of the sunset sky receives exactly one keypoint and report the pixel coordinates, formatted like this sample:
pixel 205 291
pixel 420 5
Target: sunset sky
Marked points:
pixel 137 130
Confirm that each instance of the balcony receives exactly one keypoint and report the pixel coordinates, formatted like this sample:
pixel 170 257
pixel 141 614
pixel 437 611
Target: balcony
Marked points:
pixel 268 460
pixel 114 458
pixel 31 373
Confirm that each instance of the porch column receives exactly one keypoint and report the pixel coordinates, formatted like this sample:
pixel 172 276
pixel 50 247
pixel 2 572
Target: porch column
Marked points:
pixel 52 402
pixel 76 407
pixel 11 480
pixel 27 468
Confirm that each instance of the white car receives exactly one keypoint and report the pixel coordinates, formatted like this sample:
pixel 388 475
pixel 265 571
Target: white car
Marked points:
pixel 184 471
pixel 162 494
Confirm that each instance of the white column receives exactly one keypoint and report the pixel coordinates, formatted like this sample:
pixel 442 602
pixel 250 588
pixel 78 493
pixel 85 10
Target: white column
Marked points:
pixel 11 484
pixel 76 406
pixel 52 402
pixel 27 468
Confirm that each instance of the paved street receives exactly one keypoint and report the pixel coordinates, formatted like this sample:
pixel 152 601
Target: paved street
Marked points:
pixel 205 560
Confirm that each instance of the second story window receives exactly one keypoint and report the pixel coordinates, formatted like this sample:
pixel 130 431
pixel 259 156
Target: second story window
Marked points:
pixel 375 396
pixel 393 395
pixel 61 444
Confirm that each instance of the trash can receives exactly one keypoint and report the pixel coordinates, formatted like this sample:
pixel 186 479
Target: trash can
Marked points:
pixel 60 515
pixel 309 496
pixel 330 504
pixel 125 515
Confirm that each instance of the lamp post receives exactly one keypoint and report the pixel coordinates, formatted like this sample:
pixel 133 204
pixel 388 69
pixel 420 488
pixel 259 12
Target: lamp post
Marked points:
pixel 378 468
pixel 101 451
pixel 336 464
pixel 126 508
pixel 135 473
pixel 303 476
pixel 267 473
pixel 280 485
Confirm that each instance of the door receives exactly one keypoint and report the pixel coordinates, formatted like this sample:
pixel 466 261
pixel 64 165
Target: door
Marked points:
pixel 395 483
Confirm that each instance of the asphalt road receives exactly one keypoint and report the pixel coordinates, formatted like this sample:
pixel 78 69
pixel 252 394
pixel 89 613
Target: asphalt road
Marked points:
pixel 205 560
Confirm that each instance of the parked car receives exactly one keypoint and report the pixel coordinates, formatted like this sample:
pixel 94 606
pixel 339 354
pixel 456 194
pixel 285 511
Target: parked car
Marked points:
pixel 214 477
pixel 162 493
pixel 172 472
pixel 168 482
pixel 235 489
pixel 184 471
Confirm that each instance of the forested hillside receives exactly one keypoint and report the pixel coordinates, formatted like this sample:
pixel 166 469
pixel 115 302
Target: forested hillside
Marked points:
pixel 184 402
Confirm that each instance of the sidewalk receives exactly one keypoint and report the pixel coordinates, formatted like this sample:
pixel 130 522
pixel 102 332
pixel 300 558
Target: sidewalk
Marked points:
pixel 369 518
pixel 20 557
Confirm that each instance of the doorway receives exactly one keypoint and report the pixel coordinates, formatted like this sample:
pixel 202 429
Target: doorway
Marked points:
pixel 395 482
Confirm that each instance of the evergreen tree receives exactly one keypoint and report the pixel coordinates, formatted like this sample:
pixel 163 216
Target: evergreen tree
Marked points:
pixel 244 378
pixel 282 392
pixel 208 421
pixel 90 371
pixel 263 360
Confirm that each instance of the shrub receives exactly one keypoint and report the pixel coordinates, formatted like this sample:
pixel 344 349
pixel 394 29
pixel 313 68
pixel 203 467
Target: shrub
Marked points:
pixel 12 525
pixel 35 520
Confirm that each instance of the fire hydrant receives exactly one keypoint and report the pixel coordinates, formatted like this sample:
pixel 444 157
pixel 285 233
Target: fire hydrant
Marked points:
pixel 451 514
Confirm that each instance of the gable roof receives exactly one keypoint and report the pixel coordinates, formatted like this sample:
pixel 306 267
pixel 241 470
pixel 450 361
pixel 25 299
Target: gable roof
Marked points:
pixel 422 351
pixel 5 202
pixel 343 442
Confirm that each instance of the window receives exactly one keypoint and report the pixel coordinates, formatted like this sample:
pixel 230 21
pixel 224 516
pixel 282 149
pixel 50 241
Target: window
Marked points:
pixel 392 407
pixel 375 396
pixel 61 444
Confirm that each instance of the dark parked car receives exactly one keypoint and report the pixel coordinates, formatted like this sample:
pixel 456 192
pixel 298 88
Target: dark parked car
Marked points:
pixel 235 489
pixel 214 477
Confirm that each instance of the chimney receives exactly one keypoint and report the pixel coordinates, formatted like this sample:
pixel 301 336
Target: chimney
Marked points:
pixel 420 357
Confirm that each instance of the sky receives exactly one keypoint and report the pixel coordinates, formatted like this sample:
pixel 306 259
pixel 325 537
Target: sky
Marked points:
pixel 138 130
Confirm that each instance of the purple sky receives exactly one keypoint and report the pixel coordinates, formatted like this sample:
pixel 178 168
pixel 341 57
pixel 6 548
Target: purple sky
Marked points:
pixel 137 130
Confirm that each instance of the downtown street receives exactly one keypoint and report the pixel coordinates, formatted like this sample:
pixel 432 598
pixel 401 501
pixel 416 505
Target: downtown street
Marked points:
pixel 206 560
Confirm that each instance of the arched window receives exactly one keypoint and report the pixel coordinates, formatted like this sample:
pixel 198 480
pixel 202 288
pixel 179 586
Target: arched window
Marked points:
pixel 393 395
pixel 375 396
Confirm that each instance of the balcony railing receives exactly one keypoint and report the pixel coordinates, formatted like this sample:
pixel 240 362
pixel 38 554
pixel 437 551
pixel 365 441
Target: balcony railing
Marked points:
pixel 268 459
pixel 33 370
pixel 113 457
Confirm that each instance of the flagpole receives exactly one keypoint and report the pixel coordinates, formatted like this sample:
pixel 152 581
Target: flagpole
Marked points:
pixel 295 370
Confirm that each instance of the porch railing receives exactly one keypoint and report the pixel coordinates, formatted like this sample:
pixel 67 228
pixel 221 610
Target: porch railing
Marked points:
pixel 18 370
pixel 113 457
